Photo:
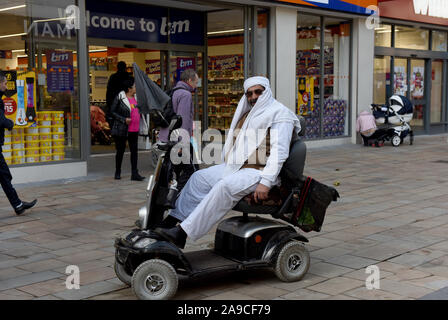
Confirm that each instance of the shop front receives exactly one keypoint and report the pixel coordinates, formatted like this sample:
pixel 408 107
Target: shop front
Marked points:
pixel 41 65
pixel 65 82
pixel 411 59
pixel 326 91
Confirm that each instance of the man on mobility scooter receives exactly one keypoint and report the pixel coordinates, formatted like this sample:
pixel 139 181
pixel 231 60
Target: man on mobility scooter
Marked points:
pixel 149 259
pixel 260 121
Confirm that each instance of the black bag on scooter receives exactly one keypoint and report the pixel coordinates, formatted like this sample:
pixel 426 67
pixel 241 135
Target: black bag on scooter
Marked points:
pixel 310 204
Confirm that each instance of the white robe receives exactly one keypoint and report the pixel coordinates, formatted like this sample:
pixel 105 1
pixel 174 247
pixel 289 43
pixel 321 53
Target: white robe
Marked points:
pixel 208 195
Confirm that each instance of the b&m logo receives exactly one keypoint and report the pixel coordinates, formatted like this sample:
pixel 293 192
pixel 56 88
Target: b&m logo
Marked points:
pixel 59 57
pixel 185 63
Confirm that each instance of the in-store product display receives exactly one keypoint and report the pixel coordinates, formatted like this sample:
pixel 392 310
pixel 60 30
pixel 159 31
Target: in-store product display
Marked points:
pixel 41 142
pixel 21 114
pixel 225 88
pixel 30 110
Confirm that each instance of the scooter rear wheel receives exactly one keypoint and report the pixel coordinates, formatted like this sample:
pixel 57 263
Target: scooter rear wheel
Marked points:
pixel 155 279
pixel 293 262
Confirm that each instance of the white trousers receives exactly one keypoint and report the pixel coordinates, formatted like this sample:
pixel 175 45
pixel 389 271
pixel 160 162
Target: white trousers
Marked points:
pixel 207 197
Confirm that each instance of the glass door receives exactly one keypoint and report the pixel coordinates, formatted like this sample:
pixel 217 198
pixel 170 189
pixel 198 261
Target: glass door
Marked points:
pixel 417 91
pixel 409 81
pixel 436 92
pixel 401 76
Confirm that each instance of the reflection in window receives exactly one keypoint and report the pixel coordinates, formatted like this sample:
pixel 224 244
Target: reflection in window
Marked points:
pixel 383 35
pixel 411 38
pixel 439 41
pixel 381 79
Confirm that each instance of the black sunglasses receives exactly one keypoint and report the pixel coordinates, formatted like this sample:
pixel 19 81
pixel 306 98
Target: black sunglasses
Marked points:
pixel 256 91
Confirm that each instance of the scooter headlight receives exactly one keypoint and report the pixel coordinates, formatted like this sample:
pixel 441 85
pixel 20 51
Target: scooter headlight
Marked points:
pixel 142 243
pixel 143 217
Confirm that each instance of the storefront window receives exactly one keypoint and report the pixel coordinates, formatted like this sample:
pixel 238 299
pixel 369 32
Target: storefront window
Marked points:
pixel 411 38
pixel 439 41
pixel 383 35
pixel 261 43
pixel 225 66
pixel 336 78
pixel 308 73
pixel 38 53
pixel 329 117
pixel 381 79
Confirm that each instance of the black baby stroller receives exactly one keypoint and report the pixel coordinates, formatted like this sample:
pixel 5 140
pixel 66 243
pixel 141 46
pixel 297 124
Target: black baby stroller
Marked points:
pixel 393 120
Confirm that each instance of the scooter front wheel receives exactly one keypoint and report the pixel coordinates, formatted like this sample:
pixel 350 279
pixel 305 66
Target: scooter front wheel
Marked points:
pixel 293 262
pixel 155 279
pixel 121 273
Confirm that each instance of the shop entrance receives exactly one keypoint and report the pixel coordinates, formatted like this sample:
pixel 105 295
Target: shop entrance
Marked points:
pixel 162 66
pixel 410 80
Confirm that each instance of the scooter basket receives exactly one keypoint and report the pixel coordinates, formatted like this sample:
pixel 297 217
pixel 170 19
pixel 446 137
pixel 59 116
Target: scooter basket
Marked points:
pixel 310 205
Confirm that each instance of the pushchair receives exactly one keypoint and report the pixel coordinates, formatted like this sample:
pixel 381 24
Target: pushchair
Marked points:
pixel 99 127
pixel 393 120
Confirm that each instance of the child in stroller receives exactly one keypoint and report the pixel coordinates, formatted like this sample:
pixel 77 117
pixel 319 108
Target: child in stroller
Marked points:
pixel 393 120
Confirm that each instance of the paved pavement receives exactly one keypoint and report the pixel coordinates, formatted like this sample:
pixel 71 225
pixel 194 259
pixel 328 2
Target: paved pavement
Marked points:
pixel 393 214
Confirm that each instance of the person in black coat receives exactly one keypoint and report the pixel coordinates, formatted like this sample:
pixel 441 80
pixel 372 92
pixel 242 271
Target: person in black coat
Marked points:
pixel 5 175
pixel 126 118
pixel 114 86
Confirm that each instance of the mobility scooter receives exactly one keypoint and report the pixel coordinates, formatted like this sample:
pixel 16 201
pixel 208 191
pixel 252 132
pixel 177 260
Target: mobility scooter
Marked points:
pixel 152 266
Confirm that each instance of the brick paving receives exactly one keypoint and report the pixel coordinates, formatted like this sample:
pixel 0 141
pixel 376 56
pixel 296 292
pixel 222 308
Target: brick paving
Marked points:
pixel 393 213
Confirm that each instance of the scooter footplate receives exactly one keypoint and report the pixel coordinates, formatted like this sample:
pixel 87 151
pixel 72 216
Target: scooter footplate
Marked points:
pixel 208 259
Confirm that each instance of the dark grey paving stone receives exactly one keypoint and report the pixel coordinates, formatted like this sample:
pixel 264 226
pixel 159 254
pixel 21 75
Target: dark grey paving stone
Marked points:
pixel 28 279
pixel 441 294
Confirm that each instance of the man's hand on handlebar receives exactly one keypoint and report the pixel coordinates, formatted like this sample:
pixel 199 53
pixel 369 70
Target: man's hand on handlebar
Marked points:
pixel 261 193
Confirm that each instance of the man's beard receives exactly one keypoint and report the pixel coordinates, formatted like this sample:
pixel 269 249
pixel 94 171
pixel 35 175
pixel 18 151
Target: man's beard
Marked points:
pixel 252 102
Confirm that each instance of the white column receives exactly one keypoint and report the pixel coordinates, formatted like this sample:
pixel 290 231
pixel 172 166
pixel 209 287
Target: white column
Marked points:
pixel 362 68
pixel 283 55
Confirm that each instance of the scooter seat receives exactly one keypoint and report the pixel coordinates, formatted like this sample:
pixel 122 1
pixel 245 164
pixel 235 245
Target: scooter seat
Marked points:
pixel 269 206
pixel 244 206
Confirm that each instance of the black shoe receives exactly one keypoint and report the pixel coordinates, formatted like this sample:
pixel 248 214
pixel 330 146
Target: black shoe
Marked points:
pixel 137 177
pixel 174 235
pixel 24 205
pixel 168 223
pixel 117 176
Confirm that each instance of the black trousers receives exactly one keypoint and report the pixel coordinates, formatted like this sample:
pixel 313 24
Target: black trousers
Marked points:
pixel 120 144
pixel 374 136
pixel 5 181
